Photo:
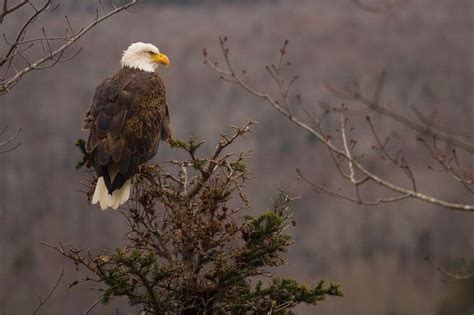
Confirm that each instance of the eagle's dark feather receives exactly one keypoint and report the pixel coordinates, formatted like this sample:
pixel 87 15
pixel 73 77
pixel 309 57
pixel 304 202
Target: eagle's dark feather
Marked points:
pixel 127 119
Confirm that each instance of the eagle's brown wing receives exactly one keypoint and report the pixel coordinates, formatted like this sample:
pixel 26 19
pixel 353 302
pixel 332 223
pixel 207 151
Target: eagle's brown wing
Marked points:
pixel 127 119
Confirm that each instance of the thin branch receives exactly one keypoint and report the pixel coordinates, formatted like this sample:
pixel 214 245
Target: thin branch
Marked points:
pixel 6 10
pixel 374 105
pixel 405 192
pixel 5 142
pixel 93 306
pixel 448 130
pixel 450 275
pixel 321 189
pixel 42 302
pixel 51 56
pixel 346 150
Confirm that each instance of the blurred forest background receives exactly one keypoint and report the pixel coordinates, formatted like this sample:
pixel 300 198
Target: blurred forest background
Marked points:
pixel 376 254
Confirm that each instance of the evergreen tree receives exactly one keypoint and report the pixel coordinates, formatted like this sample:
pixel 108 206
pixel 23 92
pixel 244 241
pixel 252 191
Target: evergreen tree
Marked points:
pixel 193 246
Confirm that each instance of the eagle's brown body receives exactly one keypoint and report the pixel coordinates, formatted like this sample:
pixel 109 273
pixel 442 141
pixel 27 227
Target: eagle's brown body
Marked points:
pixel 127 119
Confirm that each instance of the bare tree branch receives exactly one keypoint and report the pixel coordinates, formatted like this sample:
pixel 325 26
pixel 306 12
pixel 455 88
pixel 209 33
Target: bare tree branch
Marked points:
pixel 9 141
pixel 450 276
pixel 7 10
pixel 50 55
pixel 43 301
pixel 423 128
pixel 93 306
pixel 343 155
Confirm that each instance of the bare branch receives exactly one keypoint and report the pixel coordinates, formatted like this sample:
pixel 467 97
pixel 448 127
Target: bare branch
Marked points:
pixel 7 10
pixel 449 275
pixel 445 129
pixel 43 301
pixel 344 153
pixel 93 306
pixel 9 140
pixel 374 105
pixel 51 55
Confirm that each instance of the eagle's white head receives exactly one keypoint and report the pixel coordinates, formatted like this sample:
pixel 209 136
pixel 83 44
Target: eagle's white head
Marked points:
pixel 143 56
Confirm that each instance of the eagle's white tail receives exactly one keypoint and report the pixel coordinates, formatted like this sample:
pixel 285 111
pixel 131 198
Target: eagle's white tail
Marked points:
pixel 105 200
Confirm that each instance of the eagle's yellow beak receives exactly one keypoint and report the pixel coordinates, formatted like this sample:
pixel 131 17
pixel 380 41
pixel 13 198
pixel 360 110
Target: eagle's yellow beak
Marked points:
pixel 161 59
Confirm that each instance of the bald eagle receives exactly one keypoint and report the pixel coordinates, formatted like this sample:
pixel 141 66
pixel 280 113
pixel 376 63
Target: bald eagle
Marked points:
pixel 127 119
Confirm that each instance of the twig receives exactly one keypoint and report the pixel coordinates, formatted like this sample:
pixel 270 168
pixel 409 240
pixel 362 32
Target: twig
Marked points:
pixel 50 55
pixel 93 306
pixel 341 152
pixel 42 302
